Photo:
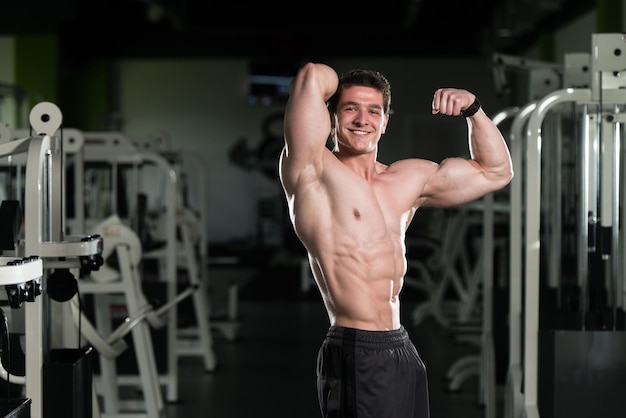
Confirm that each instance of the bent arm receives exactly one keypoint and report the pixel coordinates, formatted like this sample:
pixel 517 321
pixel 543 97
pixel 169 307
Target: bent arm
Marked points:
pixel 488 148
pixel 307 124
pixel 458 180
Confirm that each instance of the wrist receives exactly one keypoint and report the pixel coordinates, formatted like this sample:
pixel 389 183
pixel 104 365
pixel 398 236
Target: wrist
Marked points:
pixel 472 109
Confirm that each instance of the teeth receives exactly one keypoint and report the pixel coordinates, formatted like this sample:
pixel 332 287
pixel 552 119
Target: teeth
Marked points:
pixel 360 132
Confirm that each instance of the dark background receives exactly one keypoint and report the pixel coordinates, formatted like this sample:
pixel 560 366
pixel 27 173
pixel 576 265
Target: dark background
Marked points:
pixel 206 28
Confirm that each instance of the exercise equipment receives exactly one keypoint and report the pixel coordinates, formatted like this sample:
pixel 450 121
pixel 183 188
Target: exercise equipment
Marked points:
pixel 584 325
pixel 540 77
pixel 120 170
pixel 456 274
pixel 40 155
pixel 513 399
pixel 17 275
pixel 123 244
pixel 491 245
pixel 265 157
pixel 192 217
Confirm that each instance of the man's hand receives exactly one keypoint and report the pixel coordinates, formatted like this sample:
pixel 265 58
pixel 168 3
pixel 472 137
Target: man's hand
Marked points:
pixel 451 102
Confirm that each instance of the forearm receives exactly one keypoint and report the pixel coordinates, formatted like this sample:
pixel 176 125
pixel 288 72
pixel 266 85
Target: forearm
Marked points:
pixel 487 146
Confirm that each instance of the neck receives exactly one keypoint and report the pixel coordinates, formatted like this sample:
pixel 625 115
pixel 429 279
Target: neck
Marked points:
pixel 362 164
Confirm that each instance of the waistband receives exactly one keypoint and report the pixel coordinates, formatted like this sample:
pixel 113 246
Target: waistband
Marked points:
pixel 367 339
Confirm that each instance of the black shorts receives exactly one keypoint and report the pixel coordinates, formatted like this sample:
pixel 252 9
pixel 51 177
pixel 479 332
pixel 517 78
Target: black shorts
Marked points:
pixel 371 374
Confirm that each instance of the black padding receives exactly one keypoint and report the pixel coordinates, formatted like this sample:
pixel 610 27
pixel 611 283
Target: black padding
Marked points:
pixel 10 224
pixel 62 285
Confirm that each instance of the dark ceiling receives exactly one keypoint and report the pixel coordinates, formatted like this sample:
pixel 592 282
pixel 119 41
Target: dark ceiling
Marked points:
pixel 305 30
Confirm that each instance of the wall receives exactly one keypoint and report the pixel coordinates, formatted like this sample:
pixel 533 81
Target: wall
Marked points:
pixel 28 65
pixel 7 78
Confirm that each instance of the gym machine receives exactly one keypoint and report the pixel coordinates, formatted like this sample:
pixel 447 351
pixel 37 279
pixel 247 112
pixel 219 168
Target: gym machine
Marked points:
pixel 191 172
pixel 40 156
pixel 517 144
pixel 573 338
pixel 122 164
pixel 123 244
pixel 18 276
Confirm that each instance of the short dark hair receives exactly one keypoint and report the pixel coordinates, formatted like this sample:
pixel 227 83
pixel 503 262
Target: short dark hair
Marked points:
pixel 364 78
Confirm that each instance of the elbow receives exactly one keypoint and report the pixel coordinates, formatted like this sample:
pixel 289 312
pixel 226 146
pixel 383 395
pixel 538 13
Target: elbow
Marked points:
pixel 510 175
pixel 505 178
pixel 502 178
pixel 320 75
pixel 505 173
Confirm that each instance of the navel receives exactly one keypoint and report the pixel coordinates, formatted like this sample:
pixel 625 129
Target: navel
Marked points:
pixel 357 214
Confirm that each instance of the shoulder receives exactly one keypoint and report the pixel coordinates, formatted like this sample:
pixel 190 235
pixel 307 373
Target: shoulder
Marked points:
pixel 407 178
pixel 413 166
pixel 413 173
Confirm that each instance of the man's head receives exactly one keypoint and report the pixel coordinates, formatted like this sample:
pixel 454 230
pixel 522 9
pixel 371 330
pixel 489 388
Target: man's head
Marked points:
pixel 359 110
pixel 365 78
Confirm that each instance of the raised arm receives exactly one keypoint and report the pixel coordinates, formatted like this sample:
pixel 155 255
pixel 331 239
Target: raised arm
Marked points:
pixel 307 124
pixel 459 180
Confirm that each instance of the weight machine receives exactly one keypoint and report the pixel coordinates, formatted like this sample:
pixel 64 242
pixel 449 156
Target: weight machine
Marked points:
pixel 581 341
pixel 40 156
pixel 455 271
pixel 120 241
pixel 517 143
pixel 118 163
pixel 191 172
pixel 18 276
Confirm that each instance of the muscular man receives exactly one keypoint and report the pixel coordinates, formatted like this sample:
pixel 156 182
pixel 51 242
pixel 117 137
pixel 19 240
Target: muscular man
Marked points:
pixel 351 213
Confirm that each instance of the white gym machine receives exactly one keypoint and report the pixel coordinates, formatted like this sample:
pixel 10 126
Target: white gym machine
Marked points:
pixel 456 272
pixel 122 242
pixel 18 275
pixel 115 151
pixel 44 236
pixel 599 106
pixel 191 171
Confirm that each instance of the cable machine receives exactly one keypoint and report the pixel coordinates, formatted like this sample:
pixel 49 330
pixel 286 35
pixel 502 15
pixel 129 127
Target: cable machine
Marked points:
pixel 40 156
pixel 573 342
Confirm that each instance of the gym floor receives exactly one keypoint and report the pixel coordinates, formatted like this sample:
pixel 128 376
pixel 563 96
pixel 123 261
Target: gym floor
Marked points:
pixel 269 369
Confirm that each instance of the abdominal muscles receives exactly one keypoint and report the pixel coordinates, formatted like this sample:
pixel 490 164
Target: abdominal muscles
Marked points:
pixel 361 282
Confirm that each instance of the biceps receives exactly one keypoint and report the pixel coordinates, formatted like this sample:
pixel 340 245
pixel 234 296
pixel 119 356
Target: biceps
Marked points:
pixel 456 181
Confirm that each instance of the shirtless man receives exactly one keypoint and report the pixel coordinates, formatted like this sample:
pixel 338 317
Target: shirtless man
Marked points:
pixel 351 213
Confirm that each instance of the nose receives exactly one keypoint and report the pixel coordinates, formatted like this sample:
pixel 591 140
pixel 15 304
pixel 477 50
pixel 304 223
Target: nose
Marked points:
pixel 360 118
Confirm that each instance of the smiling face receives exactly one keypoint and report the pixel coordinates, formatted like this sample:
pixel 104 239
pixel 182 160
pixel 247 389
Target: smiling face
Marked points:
pixel 360 120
